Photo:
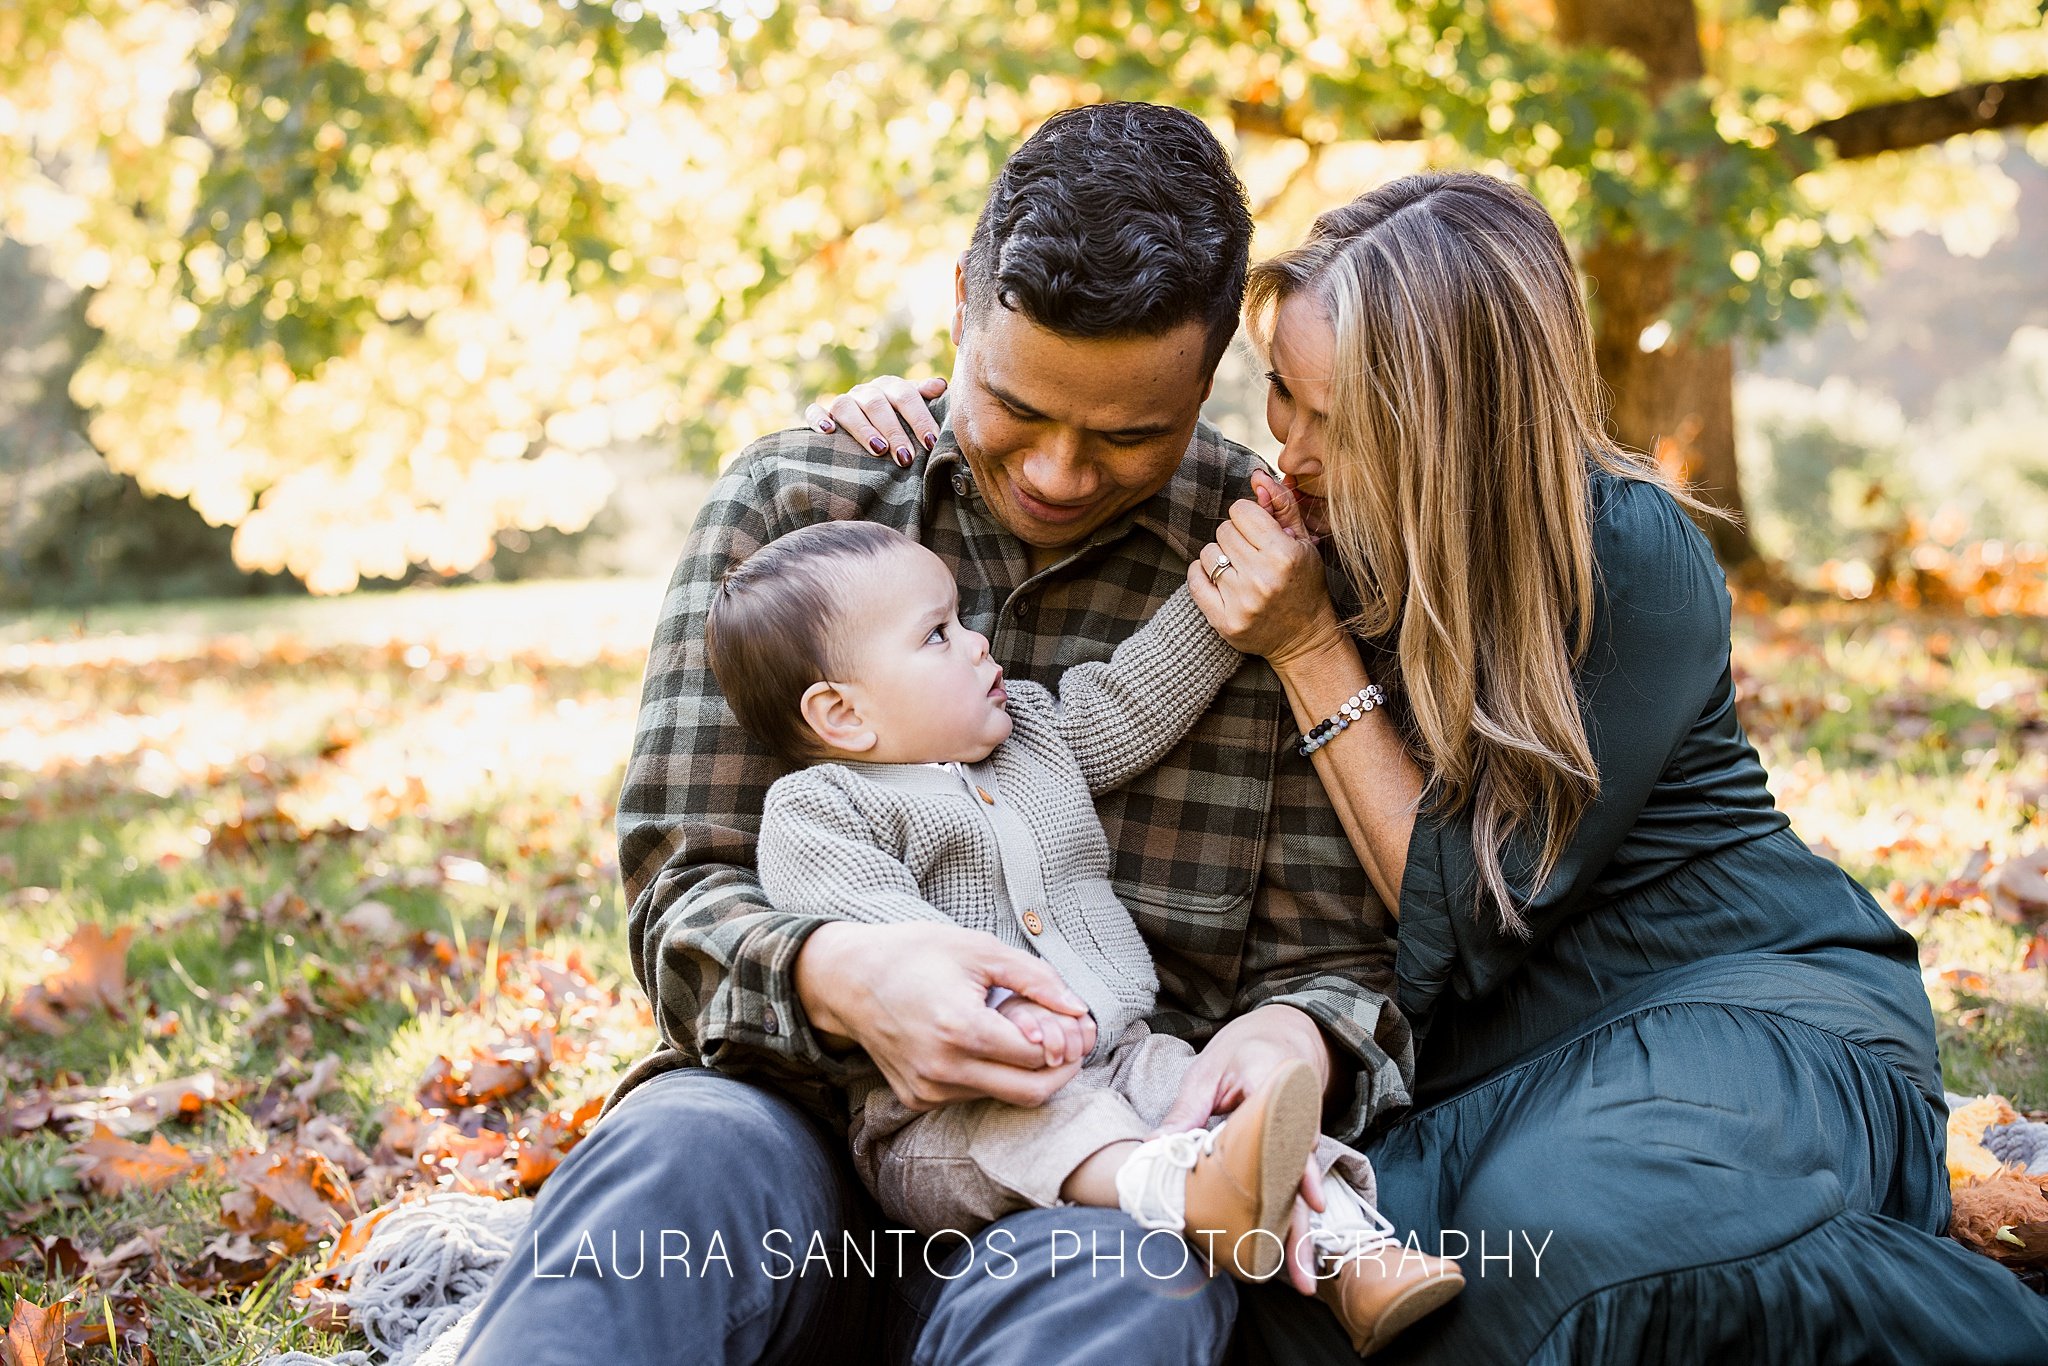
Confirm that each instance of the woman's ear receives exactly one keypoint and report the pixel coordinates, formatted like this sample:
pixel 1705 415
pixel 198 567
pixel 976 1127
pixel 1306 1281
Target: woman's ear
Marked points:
pixel 835 719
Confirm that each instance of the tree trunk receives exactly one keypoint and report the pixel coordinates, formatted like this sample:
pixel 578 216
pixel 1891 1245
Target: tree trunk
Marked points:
pixel 1677 400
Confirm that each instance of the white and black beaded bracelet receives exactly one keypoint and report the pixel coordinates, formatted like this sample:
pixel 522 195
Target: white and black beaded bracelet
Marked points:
pixel 1351 709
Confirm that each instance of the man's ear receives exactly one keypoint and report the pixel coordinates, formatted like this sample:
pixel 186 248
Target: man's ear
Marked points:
pixel 959 298
pixel 835 720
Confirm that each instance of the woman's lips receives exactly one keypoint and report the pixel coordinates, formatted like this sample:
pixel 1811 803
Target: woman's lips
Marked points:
pixel 1313 507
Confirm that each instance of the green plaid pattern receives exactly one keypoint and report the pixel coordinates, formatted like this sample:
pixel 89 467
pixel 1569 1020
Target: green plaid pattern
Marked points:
pixel 1227 853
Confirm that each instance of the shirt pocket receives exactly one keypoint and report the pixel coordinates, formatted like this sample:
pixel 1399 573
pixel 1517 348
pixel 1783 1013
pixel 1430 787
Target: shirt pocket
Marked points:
pixel 1187 841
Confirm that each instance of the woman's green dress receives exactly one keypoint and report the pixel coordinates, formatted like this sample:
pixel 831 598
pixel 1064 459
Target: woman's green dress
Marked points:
pixel 1696 1115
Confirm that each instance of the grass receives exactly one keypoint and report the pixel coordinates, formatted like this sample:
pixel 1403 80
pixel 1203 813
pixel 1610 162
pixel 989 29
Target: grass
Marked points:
pixel 235 781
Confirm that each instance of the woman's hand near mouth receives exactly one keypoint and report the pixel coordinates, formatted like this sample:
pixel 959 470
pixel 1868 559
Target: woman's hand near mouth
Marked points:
pixel 1299 514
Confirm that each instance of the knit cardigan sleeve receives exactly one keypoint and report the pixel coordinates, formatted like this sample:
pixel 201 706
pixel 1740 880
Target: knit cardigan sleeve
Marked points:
pixel 821 855
pixel 1123 715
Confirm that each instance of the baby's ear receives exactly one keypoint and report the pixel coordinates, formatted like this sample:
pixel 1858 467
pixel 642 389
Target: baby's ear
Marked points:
pixel 835 719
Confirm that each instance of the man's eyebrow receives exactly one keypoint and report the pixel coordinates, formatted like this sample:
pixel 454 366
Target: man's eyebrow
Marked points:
pixel 1011 401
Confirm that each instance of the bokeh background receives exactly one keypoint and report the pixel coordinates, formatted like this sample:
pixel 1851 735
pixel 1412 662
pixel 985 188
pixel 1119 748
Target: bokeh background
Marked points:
pixel 362 365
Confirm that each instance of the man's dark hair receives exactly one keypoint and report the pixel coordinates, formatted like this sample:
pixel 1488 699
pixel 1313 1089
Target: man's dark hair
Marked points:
pixel 769 633
pixel 1115 220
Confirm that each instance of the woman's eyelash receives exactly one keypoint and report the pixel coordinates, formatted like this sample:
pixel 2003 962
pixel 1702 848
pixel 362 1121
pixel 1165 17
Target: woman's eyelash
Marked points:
pixel 1279 385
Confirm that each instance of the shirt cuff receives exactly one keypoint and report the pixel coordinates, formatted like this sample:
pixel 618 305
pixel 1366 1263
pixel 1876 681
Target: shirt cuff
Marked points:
pixel 1349 1017
pixel 764 1026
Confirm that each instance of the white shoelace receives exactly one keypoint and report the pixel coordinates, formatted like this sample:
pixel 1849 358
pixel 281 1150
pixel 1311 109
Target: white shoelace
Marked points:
pixel 1349 1228
pixel 1152 1186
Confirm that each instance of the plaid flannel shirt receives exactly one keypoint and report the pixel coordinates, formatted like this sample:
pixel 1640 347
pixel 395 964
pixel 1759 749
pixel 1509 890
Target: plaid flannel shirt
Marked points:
pixel 1227 853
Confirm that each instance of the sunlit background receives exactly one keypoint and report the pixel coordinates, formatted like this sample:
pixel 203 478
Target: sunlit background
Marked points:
pixel 362 365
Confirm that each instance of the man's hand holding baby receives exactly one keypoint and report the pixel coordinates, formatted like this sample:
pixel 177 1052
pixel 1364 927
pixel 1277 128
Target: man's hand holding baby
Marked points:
pixel 915 997
pixel 1064 1037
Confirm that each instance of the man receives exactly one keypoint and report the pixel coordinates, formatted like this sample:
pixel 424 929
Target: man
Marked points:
pixel 1068 488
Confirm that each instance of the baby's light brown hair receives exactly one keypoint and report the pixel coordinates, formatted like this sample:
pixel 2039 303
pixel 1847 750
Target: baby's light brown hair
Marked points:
pixel 770 631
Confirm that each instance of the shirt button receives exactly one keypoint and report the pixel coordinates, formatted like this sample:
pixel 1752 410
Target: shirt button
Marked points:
pixel 1022 609
pixel 1032 922
pixel 963 482
pixel 982 793
pixel 769 1023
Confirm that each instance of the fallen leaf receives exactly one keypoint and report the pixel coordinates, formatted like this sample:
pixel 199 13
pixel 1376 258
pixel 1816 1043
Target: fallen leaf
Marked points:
pixel 325 1135
pixel 120 1320
pixel 94 976
pixel 122 1111
pixel 319 1081
pixel 51 1257
pixel 35 1335
pixel 376 922
pixel 347 1245
pixel 181 1098
pixel 232 1259
pixel 288 1194
pixel 492 1073
pixel 475 1163
pixel 111 1164
pixel 2019 886
pixel 544 1144
pixel 144 1246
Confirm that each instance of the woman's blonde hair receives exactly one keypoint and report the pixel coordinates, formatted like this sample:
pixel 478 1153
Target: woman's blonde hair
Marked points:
pixel 1465 421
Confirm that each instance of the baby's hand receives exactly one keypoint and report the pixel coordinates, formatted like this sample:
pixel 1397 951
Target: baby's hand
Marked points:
pixel 1062 1036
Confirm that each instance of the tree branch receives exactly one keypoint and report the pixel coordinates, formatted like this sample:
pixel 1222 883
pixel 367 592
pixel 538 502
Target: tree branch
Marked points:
pixel 1929 119
pixel 1278 121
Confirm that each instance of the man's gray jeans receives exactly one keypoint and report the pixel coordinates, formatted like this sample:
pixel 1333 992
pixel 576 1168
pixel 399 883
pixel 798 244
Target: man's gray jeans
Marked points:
pixel 709 1220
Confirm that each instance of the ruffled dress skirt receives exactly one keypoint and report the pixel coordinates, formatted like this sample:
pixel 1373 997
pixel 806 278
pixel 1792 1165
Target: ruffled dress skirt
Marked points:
pixel 1737 1157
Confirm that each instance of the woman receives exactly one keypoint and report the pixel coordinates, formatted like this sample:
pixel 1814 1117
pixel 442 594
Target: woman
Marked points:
pixel 1677 1096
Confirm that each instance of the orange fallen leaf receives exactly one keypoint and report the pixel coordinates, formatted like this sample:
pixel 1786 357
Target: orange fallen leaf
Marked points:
pixel 473 1163
pixel 1967 980
pixel 94 976
pixel 490 1074
pixel 181 1098
pixel 545 1143
pixel 286 1193
pixel 35 1335
pixel 347 1245
pixel 111 1164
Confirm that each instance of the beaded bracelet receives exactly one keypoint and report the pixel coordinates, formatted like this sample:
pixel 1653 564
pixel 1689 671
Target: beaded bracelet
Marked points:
pixel 1353 707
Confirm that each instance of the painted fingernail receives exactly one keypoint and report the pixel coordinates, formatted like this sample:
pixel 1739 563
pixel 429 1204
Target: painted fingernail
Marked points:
pixel 931 439
pixel 903 455
pixel 878 446
pixel 827 425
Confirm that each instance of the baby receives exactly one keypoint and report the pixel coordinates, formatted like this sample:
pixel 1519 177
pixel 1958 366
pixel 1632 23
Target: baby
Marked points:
pixel 929 788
